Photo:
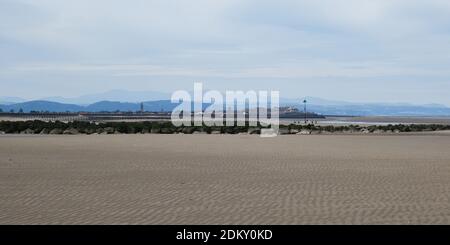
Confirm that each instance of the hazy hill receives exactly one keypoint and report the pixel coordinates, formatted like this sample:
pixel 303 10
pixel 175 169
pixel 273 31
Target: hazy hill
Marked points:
pixel 112 106
pixel 332 107
pixel 113 95
pixel 7 100
pixel 41 105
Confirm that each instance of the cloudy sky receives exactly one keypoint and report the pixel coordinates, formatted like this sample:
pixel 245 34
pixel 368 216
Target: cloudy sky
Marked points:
pixel 353 50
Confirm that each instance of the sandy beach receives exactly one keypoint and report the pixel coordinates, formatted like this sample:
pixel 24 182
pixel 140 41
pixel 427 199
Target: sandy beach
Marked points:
pixel 224 179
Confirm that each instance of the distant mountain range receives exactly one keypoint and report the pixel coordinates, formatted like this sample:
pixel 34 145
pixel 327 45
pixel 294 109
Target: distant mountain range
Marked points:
pixel 155 101
pixel 328 107
pixel 7 100
pixel 42 105
pixel 113 95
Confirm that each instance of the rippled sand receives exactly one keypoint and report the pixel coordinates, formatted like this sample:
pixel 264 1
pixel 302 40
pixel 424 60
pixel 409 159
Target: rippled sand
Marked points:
pixel 224 179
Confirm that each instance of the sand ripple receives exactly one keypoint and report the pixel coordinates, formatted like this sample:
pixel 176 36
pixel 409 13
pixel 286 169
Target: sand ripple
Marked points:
pixel 224 179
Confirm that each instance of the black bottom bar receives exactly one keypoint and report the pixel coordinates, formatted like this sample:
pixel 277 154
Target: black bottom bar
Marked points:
pixel 223 234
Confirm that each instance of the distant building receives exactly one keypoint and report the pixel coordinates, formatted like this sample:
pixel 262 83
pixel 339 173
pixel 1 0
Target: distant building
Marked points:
pixel 142 107
pixel 287 109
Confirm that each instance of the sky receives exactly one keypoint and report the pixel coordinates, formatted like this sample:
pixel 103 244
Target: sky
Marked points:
pixel 351 50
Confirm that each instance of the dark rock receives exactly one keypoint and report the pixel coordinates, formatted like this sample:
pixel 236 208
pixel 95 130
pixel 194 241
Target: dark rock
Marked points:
pixel 155 130
pixel 254 131
pixel 109 130
pixel 45 131
pixel 71 131
pixel 56 131
pixel 166 131
pixel 27 131
pixel 188 130
pixel 282 131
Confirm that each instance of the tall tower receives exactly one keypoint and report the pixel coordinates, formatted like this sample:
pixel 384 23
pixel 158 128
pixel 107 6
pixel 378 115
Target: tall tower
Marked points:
pixel 142 107
pixel 304 110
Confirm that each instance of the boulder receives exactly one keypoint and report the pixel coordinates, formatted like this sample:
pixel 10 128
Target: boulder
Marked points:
pixel 304 132
pixel 166 131
pixel 215 132
pixel 45 131
pixel 155 130
pixel 231 130
pixel 109 130
pixel 293 131
pixel 254 131
pixel 27 131
pixel 2 132
pixel 283 131
pixel 56 131
pixel 90 131
pixel 365 131
pixel 71 131
pixel 188 130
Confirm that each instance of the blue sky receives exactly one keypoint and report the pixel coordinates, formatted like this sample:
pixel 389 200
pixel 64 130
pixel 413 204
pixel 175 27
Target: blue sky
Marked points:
pixel 353 50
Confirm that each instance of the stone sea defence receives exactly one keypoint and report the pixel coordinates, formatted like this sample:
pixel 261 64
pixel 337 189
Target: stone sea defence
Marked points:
pixel 82 127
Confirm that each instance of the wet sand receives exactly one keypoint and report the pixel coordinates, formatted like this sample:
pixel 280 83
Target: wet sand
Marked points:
pixel 225 179
pixel 384 120
pixel 371 120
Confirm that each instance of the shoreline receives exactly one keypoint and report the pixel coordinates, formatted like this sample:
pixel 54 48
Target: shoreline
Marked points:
pixel 432 133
